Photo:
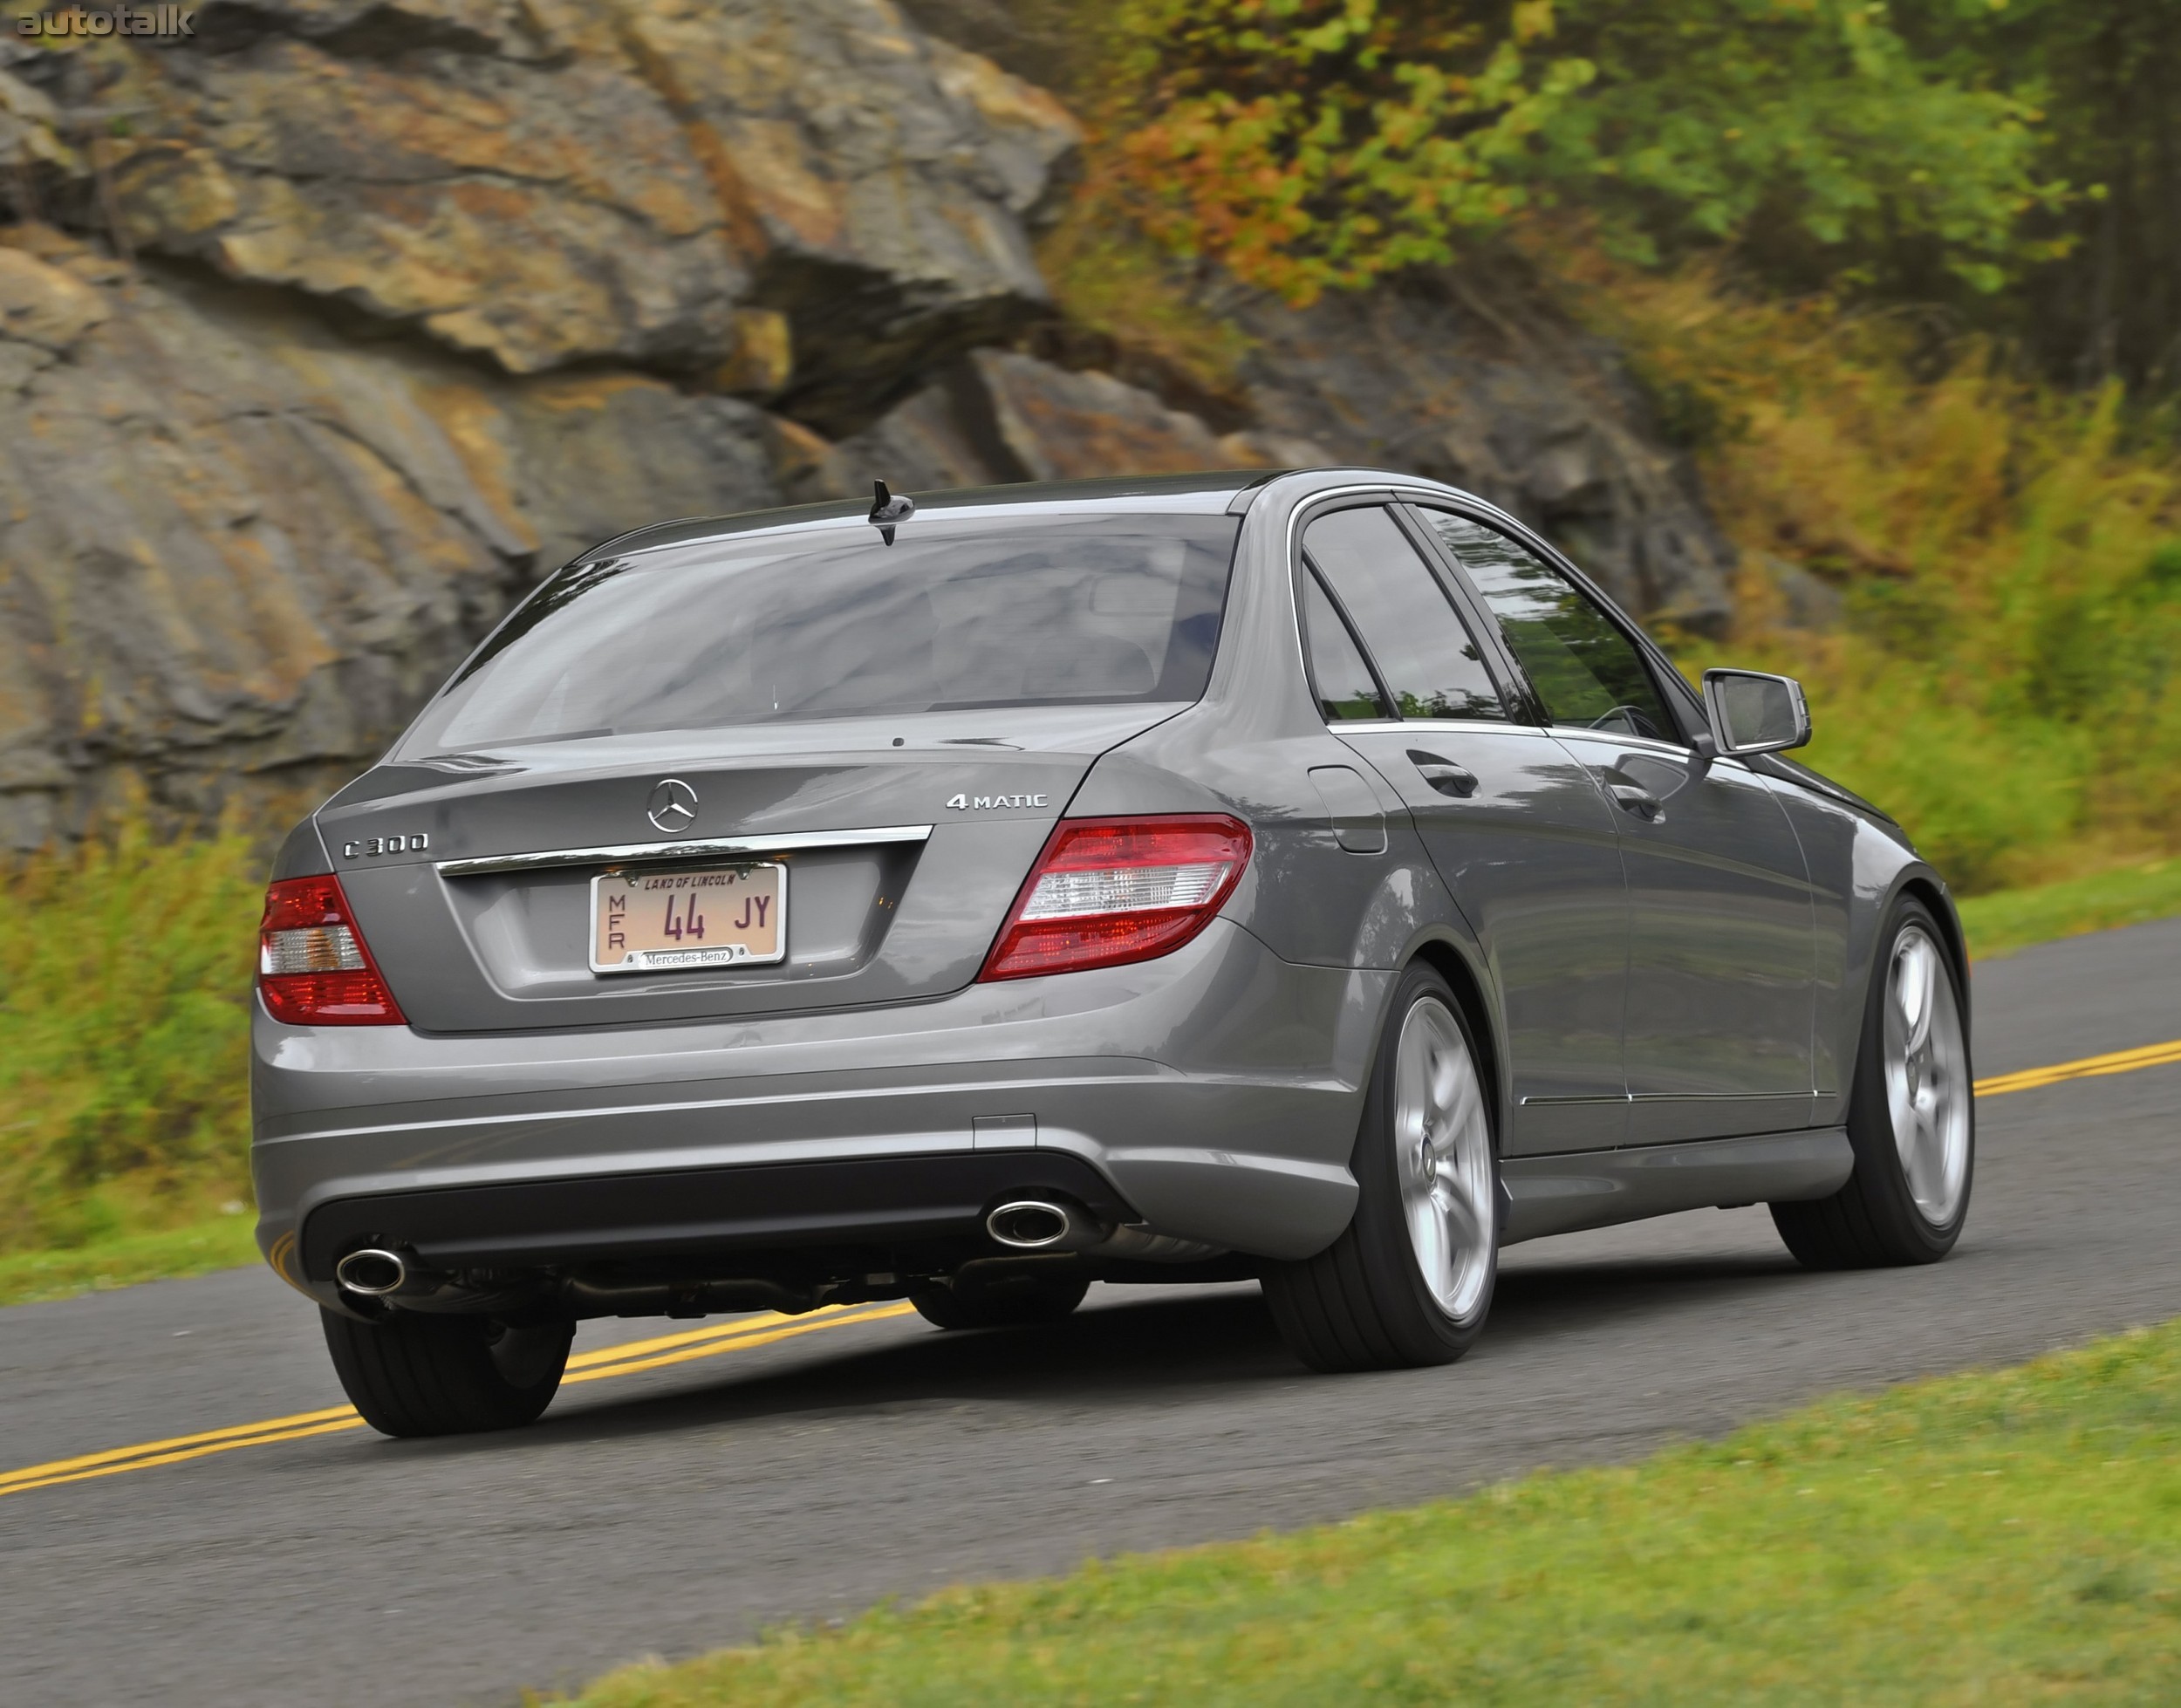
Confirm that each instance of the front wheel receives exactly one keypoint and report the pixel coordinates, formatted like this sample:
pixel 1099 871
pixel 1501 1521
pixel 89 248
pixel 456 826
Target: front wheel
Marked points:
pixel 417 1375
pixel 1411 1279
pixel 1911 1117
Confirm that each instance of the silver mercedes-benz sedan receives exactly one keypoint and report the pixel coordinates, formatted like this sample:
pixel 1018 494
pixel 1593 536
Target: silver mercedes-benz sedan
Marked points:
pixel 1309 878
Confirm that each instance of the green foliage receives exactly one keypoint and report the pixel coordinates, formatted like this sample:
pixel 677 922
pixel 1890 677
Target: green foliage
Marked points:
pixel 1311 144
pixel 1997 1538
pixel 125 977
pixel 2106 72
pixel 2009 569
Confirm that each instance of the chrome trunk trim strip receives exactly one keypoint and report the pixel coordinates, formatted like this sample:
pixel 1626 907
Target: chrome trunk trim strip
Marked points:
pixel 623 853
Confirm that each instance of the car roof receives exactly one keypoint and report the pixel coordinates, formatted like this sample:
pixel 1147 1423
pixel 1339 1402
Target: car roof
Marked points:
pixel 1207 493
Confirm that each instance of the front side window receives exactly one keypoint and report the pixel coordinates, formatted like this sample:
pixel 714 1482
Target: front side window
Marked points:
pixel 792 625
pixel 1587 672
pixel 1407 623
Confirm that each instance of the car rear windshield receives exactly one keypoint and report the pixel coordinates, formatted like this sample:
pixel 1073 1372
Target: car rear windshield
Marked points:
pixel 834 623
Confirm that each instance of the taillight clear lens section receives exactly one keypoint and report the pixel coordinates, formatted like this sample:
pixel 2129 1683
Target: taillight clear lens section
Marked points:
pixel 1109 891
pixel 313 967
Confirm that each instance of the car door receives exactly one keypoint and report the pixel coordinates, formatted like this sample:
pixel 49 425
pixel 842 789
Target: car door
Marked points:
pixel 1722 946
pixel 1514 826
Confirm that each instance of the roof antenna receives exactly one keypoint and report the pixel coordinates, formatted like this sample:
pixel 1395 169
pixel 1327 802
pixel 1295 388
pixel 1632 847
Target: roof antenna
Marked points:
pixel 887 510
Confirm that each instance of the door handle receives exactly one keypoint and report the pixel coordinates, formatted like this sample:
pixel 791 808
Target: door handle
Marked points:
pixel 1444 774
pixel 1641 801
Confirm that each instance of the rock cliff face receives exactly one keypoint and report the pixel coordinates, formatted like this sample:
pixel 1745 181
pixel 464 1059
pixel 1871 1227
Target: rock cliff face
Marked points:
pixel 236 549
pixel 325 333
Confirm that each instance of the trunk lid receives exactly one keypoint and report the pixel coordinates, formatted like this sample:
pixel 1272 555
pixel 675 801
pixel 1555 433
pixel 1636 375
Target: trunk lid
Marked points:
pixel 903 839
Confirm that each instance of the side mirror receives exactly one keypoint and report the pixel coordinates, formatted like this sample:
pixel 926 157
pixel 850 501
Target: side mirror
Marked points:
pixel 1753 713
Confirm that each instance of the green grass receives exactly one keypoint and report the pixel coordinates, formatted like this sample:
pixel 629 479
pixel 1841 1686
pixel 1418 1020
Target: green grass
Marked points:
pixel 125 971
pixel 1997 925
pixel 1992 1538
pixel 223 1242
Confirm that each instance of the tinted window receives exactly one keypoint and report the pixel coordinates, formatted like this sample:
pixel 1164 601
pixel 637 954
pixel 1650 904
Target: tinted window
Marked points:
pixel 832 623
pixel 1345 690
pixel 1431 666
pixel 1585 668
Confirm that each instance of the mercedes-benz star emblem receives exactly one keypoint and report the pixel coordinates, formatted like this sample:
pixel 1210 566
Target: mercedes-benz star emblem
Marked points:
pixel 673 807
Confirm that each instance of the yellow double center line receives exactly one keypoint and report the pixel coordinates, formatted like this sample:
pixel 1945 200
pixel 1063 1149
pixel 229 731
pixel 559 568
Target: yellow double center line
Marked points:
pixel 628 1359
pixel 633 1357
pixel 2090 1067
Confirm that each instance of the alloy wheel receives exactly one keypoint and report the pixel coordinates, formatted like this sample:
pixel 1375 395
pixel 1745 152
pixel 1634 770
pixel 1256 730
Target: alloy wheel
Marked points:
pixel 1443 1156
pixel 1927 1085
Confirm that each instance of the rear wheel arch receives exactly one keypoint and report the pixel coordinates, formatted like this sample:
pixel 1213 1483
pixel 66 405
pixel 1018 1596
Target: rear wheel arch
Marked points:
pixel 1450 963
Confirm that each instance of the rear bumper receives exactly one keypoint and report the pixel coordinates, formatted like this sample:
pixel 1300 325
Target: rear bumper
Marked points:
pixel 785 1211
pixel 1213 1095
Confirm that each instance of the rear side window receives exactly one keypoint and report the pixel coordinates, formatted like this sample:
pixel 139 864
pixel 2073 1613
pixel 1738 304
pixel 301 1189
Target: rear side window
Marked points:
pixel 833 623
pixel 1586 671
pixel 1407 623
pixel 1345 690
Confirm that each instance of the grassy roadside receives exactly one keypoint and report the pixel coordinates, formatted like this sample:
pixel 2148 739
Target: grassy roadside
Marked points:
pixel 2008 1537
pixel 223 1242
pixel 2010 920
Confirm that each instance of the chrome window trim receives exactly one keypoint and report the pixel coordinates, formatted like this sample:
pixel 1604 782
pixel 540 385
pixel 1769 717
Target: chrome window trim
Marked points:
pixel 1292 569
pixel 1658 748
pixel 1308 507
pixel 622 853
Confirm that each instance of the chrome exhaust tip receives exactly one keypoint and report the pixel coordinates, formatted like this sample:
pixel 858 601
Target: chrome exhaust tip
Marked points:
pixel 372 1272
pixel 1042 1225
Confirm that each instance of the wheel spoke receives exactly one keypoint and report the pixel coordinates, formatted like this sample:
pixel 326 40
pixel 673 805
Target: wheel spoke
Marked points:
pixel 1915 969
pixel 1465 1105
pixel 1464 1226
pixel 1427 1235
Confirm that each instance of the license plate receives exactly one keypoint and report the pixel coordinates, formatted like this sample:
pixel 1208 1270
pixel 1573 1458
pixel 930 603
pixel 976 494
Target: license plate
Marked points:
pixel 662 921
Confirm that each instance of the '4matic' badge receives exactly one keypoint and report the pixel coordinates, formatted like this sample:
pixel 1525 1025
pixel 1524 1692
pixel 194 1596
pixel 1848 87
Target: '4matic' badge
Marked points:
pixel 986 803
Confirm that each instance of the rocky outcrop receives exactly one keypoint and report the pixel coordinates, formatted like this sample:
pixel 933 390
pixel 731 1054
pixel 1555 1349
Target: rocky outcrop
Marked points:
pixel 324 334
pixel 378 309
pixel 543 182
pixel 1479 384
pixel 236 549
pixel 1474 379
pixel 1001 415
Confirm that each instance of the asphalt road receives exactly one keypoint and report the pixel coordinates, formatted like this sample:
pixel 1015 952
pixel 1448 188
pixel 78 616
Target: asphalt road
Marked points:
pixel 677 1509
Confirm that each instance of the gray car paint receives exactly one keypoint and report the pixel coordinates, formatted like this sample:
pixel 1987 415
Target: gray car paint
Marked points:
pixel 1533 865
pixel 1218 1087
pixel 1721 957
pixel 868 924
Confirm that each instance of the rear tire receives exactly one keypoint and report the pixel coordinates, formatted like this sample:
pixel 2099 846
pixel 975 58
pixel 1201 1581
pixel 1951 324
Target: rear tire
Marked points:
pixel 413 1374
pixel 1410 1282
pixel 1911 1116
pixel 1013 1302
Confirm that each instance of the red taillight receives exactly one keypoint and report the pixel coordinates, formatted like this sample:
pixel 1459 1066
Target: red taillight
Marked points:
pixel 1109 891
pixel 313 967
